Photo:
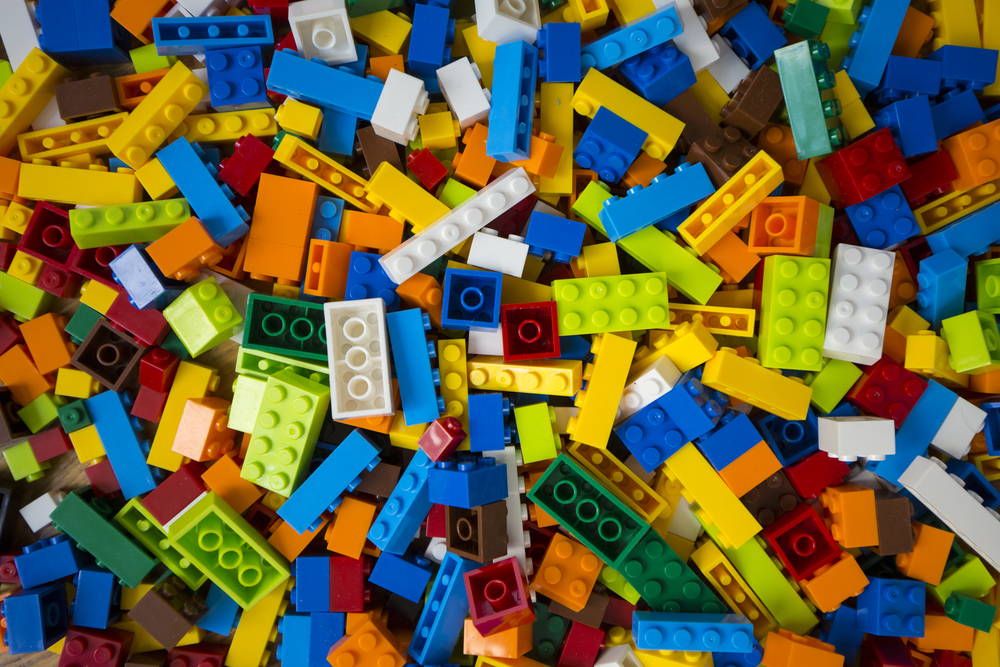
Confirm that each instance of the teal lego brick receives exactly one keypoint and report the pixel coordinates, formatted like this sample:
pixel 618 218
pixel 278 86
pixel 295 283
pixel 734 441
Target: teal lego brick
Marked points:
pixel 804 76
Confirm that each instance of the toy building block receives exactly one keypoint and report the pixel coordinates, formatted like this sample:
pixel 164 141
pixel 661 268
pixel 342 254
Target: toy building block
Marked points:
pixel 568 573
pixel 631 313
pixel 467 482
pixel 236 78
pixel 793 312
pixel 35 618
pixel 745 379
pixel 664 631
pixel 847 438
pixel 785 649
pixel 27 92
pixel 479 533
pixel 892 608
pixel 863 169
pixel 202 317
pixel 491 613
pixel 168 611
pixel 276 245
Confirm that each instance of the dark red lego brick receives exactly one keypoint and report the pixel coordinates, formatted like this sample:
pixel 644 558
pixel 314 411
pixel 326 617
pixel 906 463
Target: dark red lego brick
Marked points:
pixel 95 263
pixel 498 597
pixel 243 168
pixel 581 646
pixel 814 473
pixel 442 438
pixel 529 331
pixel 436 525
pixel 351 592
pixel 102 480
pixel 931 177
pixel 888 390
pixel 49 444
pixel 863 169
pixel 91 647
pixel 198 655
pixel 47 236
pixel 157 369
pixel 149 404
pixel 802 542
pixel 176 492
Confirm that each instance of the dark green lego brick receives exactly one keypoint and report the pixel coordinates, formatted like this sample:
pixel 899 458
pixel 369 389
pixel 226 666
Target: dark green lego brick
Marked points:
pixel 173 344
pixel 547 633
pixel 805 19
pixel 284 326
pixel 82 321
pixel 74 416
pixel 970 612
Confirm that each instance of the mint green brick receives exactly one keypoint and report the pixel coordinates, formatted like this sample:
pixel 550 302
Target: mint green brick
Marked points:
pixel 794 301
pixel 145 59
pixel 126 224
pixel 248 394
pixel 41 412
pixel 202 317
pixel 973 340
pixel 832 383
pixel 22 462
pixel 802 86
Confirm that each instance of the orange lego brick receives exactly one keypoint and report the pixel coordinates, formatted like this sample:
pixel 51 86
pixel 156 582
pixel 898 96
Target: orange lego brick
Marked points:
pixel 904 287
pixel 224 478
pixel 567 573
pixel 733 257
pixel 231 264
pixel 371 645
pixel 943 634
pixel 289 543
pixel 849 511
pixel 509 644
pixel 181 252
pixel 581 179
pixel 543 160
pixel 777 141
pixel 785 649
pixel 203 433
pixel 750 469
pixel 473 165
pixel 48 343
pixel 348 532
pixel 19 373
pixel 423 291
pixel 279 234
pixel 643 171
pixel 540 516
pixel 326 269
pixel 381 65
pixel 136 16
pixel 931 547
pixel 917 30
pixel 784 225
pixel 832 584
pixel 985 383
pixel 976 154
pixel 133 88
pixel 370 230
pixel 10 171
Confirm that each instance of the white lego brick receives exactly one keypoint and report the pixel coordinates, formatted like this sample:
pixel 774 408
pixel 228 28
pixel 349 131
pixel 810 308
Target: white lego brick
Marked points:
pixel 204 7
pixel 654 382
pixel 417 252
pixel 503 21
pixel 36 513
pixel 851 438
pixel 436 550
pixel 322 30
pixel 694 42
pixel 517 512
pixel 492 252
pixel 403 98
pixel 684 523
pixel 237 292
pixel 728 70
pixel 859 304
pixel 618 656
pixel 486 342
pixel 945 495
pixel 464 93
pixel 358 350
pixel 48 118
pixel 18 30
pixel 963 422
pixel 563 415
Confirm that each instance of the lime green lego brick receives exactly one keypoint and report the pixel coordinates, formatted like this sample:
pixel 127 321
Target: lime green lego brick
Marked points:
pixel 288 425
pixel 832 383
pixel 6 71
pixel 970 612
pixel 41 412
pixel 234 556
pixel 148 532
pixel 634 302
pixel 802 86
pixel 843 12
pixel 202 317
pixel 793 312
pixel 970 578
pixel 126 224
pixel 534 430
pixel 589 203
pixel 25 301
pixel 265 364
pixel 455 192
pixel 83 320
pixel 613 579
pixel 824 231
pixel 145 59
pixel 74 416
pixel 22 462
pixel 837 36
pixel 248 393
pixel 988 286
pixel 973 340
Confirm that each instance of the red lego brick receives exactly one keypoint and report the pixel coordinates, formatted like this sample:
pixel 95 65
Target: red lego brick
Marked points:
pixel 814 473
pixel 915 252
pixel 929 178
pixel 47 236
pixel 950 659
pixel 91 647
pixel 198 655
pixel 498 597
pixel 560 272
pixel 243 168
pixel 59 282
pixel 529 331
pixel 427 168
pixel 437 524
pixel 276 9
pixel 149 404
pixel 885 652
pixel 8 569
pixel 888 390
pixel 581 646
pixel 7 252
pixel 540 538
pixel 149 327
pixel 619 612
pixel 102 480
pixel 351 593
pixel 95 263
pixel 442 438
pixel 157 369
pixel 802 542
pixel 176 492
pixel 863 169
pixel 513 220
pixel 10 333
pixel 49 444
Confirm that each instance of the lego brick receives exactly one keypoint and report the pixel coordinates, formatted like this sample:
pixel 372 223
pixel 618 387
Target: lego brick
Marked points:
pixel 515 71
pixel 78 186
pixel 323 170
pixel 137 520
pixel 501 24
pixel 191 381
pixel 84 137
pixel 803 80
pixel 27 93
pixel 121 444
pixel 745 379
pixel 168 611
pixel 793 312
pixel 610 318
pixel 665 631
pixel 889 608
pixel 109 357
pixel 357 339
pixel 35 618
pixel 322 30
pixel 179 36
pixel 498 613
pixel 863 169
pixel 284 326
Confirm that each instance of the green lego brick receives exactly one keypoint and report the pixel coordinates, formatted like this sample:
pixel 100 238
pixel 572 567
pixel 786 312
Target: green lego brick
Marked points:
pixel 805 19
pixel 824 231
pixel 283 326
pixel 970 612
pixel 587 510
pixel 832 383
pixel 634 302
pixel 534 430
pixel 41 412
pixel 22 462
pixel 613 580
pixel 173 344
pixel 988 286
pixel 202 317
pixel 126 224
pixel 74 416
pixel 83 320
pixel 248 393
pixel 973 340
pixel 221 543
pixel 970 577
pixel 6 71
pixel 288 425
pixel 148 532
pixel 455 192
pixel 547 634
pixel 145 59
pixel 802 86
pixel 793 312
pixel 265 364
pixel 25 301
pixel 89 521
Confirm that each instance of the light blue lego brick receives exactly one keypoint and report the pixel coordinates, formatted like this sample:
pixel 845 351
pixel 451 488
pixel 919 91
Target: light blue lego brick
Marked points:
pixel 221 615
pixel 236 78
pixel 210 202
pixel 562 238
pixel 609 145
pixel 754 37
pixel 336 133
pixel 119 434
pixel 321 490
pixel 512 101
pixel 906 77
pixel 733 438
pixel 911 124
pixel 36 618
pixel 971 235
pixel 98 595
pixel 941 281
pixel 467 483
pixel 955 112
pixel 407 576
pixel 645 207
pixel 471 300
pixel 49 560
pixel 327 218
pixel 311 591
pixel 559 53
pixel 443 617
pixel 411 355
pixel 432 32
pixel 366 279
pixel 187 36
pixel 965 67
pixel 665 631
pixel 631 39
pixel 327 87
pixel 892 607
pixel 488 416
pixel 142 279
pixel 884 220
pixel 879 24
pixel 405 509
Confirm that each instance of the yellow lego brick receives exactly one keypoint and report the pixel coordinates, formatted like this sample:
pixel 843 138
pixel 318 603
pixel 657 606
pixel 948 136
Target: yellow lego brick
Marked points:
pixel 257 626
pixel 25 94
pixel 906 321
pixel 616 636
pixel 716 319
pixel 986 648
pixel 76 383
pixel 229 126
pixel 130 596
pixel 385 30
pixel 156 181
pixel 143 642
pixel 556 377
pixel 439 130
pixel 597 90
pixel 590 14
pixel 613 579
pixel 813 185
pixel 744 378
pixel 600 259
pixel 927 355
pixel 739 196
pixel 991 39
pixel 955 23
pixel 630 10
pixel 732 588
pixel 98 296
pixel 621 481
pixel 17 216
pixel 598 402
pixel 66 185
pixel 557 121
pixel 454 370
pixel 954 205
pixel 401 435
pixel 674 658
pixel 407 201
pixel 688 347
pixel 710 95
pixel 87 136
pixel 988 465
pixel 855 119
pixel 26 268
pixel 157 116
pixel 191 381
pixel 299 118
pixel 482 52
pixel 87 444
pixel 303 159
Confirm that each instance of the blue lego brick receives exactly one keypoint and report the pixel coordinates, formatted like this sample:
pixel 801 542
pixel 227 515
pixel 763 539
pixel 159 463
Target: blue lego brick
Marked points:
pixel 561 238
pixel 467 482
pixel 36 618
pixel 632 39
pixel 878 27
pixel 790 441
pixel 971 235
pixel 98 595
pixel 406 508
pixel 443 617
pixel 975 482
pixel 883 220
pixel 236 79
pixel 411 356
pixel 433 31
pixel 659 74
pixel 221 615
pixel 907 77
pixel 405 576
pixel 358 66
pixel 941 280
pixel 81 32
pixel 672 222
pixel 187 36
pixel 210 201
pixel 326 219
pixel 559 53
pixel 512 101
pixel 911 124
pixel 306 638
pixel 574 347
pixel 667 631
pixel 321 490
pixel 733 438
pixel 366 279
pixel 751 659
pixel 644 207
pixel 311 591
pixel 992 427
pixel 754 37
pixel 471 300
pixel 337 132
pixel 609 146
pixel 992 113
pixel 488 422
pixel 892 607
pixel 57 19
pixel 965 67
pixel 840 628
pixel 693 407
pixel 119 433
pixel 143 281
pixel 48 560
pixel 955 112
pixel 327 87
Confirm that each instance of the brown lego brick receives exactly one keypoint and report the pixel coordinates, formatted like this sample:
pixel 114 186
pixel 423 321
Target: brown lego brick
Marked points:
pixel 377 150
pixel 619 612
pixel 147 659
pixel 479 534
pixel 722 154
pixel 713 9
pixel 771 499
pixel 380 481
pixel 592 613
pixel 697 123
pixel 754 102
pixel 80 98
pixel 109 356
pixel 168 611
pixel 895 530
pixel 11 426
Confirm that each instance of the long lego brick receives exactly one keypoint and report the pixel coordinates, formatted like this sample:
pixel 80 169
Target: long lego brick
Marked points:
pixel 318 84
pixel 121 445
pixel 69 185
pixel 556 120
pixel 806 108
pixel 611 303
pixel 86 136
pixel 255 629
pixel 303 159
pixel 407 201
pixel 555 377
pixel 732 588
pixel 668 631
pixel 944 210
pixel 191 381
pixel 515 69
pixel 621 481
pixel 411 354
pixel 970 235
pixel 187 36
pixel 597 402
pixel 137 520
pixel 444 613
pixel 748 381
pixel 119 225
pixel 26 93
pixel 880 23
pixel 631 39
pixel 406 508
pixel 227 126
pixel 49 560
pixel 718 320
